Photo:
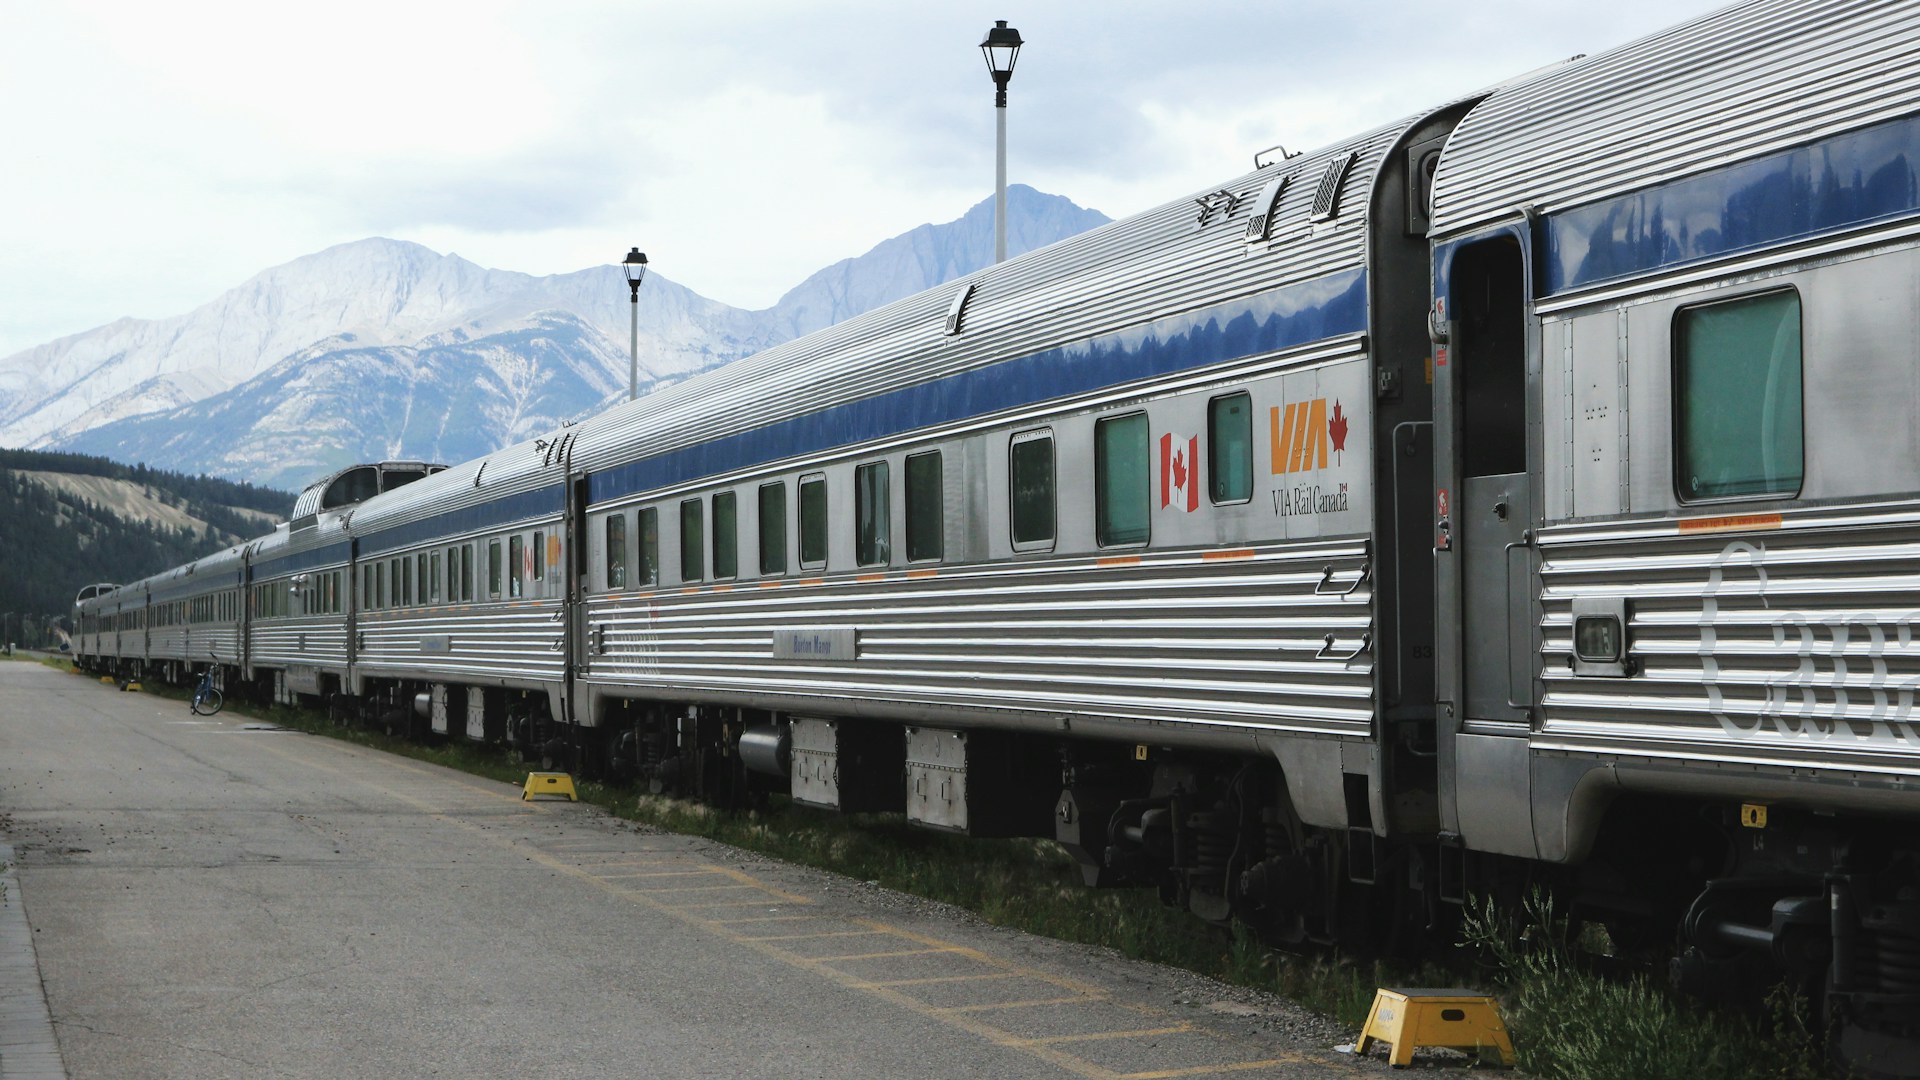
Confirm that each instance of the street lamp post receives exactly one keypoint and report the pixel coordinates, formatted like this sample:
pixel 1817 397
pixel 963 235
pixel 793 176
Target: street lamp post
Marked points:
pixel 635 264
pixel 1002 49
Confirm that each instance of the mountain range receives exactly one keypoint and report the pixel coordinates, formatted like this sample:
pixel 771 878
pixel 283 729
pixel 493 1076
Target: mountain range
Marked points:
pixel 382 349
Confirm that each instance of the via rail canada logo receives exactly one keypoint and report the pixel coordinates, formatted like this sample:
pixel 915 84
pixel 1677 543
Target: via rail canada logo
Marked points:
pixel 1303 437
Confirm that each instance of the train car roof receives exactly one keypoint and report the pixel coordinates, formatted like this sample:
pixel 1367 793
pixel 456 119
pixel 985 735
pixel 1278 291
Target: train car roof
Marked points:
pixel 1198 280
pixel 519 482
pixel 1734 85
pixel 287 550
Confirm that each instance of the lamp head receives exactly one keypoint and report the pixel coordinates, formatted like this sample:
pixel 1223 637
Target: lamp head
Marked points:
pixel 1002 50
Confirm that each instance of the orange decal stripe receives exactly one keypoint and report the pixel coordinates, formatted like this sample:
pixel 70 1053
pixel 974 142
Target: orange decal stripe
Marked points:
pixel 1236 553
pixel 1299 436
pixel 1282 441
pixel 1729 523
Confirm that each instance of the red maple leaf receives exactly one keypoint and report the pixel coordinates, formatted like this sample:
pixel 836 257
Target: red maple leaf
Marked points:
pixel 1180 470
pixel 1337 427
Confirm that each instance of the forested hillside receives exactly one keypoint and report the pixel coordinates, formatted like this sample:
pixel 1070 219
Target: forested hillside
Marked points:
pixel 68 520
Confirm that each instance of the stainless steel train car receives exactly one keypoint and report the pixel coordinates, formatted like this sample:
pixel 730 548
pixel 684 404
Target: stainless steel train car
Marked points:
pixel 1523 492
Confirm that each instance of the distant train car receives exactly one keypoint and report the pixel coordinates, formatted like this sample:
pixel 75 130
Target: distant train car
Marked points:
pixel 462 616
pixel 1523 492
pixel 193 615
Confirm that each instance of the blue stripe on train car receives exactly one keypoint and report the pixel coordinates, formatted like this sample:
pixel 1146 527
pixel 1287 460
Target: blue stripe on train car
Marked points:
pixel 550 501
pixel 1316 310
pixel 1846 182
pixel 305 560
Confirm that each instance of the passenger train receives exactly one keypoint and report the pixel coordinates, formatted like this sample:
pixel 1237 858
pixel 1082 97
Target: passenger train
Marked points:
pixel 1527 491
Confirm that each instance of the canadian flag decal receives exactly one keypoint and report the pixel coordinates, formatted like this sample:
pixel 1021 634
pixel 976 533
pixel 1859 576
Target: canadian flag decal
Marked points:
pixel 1180 472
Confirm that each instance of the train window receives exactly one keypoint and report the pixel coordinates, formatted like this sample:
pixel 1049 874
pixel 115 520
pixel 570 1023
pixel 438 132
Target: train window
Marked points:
pixel 872 519
pixel 1736 374
pixel 422 579
pixel 616 551
pixel 926 496
pixel 649 546
pixel 692 541
pixel 773 528
pixel 726 535
pixel 1230 448
pixel 1122 458
pixel 516 556
pixel 539 563
pixel 813 520
pixel 380 585
pixel 1030 477
pixel 433 579
pixel 466 571
pixel 493 569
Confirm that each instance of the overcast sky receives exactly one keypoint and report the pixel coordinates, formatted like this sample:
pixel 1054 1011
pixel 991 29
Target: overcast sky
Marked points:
pixel 157 154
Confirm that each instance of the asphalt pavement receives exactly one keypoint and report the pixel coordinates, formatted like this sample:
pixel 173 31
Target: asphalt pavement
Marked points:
pixel 218 897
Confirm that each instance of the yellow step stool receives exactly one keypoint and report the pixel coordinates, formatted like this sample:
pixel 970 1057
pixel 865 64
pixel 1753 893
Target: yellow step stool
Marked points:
pixel 1455 1019
pixel 549 783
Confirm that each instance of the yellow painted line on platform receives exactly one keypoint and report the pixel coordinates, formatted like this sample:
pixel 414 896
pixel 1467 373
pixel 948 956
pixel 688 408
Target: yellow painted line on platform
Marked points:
pixel 993 1006
pixel 715 923
pixel 1095 1036
pixel 716 904
pixel 1209 1070
pixel 932 979
pixel 638 874
pixel 810 937
pixel 881 955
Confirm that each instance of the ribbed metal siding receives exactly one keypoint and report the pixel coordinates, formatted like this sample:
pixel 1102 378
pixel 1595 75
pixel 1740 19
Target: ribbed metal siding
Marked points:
pixel 1176 639
pixel 1124 274
pixel 487 644
pixel 1732 85
pixel 315 641
pixel 1792 647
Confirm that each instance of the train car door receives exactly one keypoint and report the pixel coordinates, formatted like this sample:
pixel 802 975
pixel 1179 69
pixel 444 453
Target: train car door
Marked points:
pixel 1486 388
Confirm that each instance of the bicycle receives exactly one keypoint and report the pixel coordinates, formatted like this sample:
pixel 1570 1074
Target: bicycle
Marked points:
pixel 207 698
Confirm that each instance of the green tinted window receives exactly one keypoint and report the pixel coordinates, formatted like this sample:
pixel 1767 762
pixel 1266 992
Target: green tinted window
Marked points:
pixel 813 521
pixel 726 535
pixel 1230 448
pixel 925 496
pixel 1737 397
pixel 493 569
pixel 617 551
pixel 773 528
pixel 693 541
pixel 873 521
pixel 1030 467
pixel 649 546
pixel 1120 464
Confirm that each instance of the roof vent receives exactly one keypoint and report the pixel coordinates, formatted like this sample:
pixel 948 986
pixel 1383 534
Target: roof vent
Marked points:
pixel 1326 201
pixel 1266 210
pixel 958 309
